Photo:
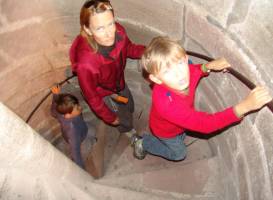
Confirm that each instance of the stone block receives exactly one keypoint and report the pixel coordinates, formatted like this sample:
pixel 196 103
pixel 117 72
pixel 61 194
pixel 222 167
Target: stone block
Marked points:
pixel 192 45
pixel 255 34
pixel 227 153
pixel 211 95
pixel 243 179
pixel 138 33
pixel 227 90
pixel 253 150
pixel 5 61
pixel 17 76
pixel 265 126
pixel 32 87
pixel 220 44
pixel 218 9
pixel 232 141
pixel 239 12
pixel 25 41
pixel 23 10
pixel 62 30
pixel 58 59
pixel 26 107
pixel 159 15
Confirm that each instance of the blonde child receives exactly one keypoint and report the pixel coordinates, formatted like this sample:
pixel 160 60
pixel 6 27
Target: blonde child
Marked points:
pixel 172 111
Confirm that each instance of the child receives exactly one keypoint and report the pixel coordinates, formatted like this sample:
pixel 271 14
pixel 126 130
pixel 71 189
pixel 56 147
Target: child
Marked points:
pixel 172 111
pixel 66 108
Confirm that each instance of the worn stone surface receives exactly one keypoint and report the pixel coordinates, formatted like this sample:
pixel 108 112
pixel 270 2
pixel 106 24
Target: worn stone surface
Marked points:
pixel 43 8
pixel 139 34
pixel 251 145
pixel 242 178
pixel 62 30
pixel 265 126
pixel 191 45
pixel 26 41
pixel 34 86
pixel 18 75
pixel 58 59
pixel 239 12
pixel 257 37
pixel 219 9
pixel 156 14
pixel 219 44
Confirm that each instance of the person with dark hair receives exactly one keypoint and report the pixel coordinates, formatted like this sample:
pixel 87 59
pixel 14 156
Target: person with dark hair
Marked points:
pixel 67 110
pixel 98 56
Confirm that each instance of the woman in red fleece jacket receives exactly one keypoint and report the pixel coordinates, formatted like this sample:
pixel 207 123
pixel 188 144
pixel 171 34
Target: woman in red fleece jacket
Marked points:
pixel 173 109
pixel 98 56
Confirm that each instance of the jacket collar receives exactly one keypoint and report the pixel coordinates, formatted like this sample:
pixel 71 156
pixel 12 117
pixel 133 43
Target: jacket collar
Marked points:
pixel 106 50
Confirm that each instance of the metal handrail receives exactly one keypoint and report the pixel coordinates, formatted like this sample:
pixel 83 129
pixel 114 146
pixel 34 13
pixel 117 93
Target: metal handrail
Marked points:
pixel 235 73
pixel 232 71
pixel 45 97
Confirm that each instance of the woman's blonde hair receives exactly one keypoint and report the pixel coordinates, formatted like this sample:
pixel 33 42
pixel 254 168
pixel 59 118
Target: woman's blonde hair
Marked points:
pixel 161 52
pixel 91 8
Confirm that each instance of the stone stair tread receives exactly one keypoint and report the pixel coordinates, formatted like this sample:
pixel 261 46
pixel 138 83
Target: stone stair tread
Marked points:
pixel 126 164
pixel 106 192
pixel 120 147
pixel 202 179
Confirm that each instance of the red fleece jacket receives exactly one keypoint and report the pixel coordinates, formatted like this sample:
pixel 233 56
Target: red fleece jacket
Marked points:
pixel 98 75
pixel 172 113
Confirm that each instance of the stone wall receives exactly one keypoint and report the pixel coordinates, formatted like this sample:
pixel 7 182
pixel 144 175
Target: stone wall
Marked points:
pixel 35 38
pixel 240 31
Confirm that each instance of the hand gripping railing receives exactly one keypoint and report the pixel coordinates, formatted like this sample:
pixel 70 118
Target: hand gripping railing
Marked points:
pixel 45 97
pixel 235 73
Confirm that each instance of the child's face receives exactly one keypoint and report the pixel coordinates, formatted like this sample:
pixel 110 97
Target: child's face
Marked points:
pixel 175 77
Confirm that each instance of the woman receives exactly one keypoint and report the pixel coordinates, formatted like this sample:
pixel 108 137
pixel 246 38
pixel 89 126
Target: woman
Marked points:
pixel 98 56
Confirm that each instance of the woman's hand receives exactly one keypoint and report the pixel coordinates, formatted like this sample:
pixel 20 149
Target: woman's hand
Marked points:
pixel 116 122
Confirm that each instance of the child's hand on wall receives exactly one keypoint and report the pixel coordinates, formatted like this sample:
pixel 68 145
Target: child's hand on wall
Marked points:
pixel 218 64
pixel 257 98
pixel 56 89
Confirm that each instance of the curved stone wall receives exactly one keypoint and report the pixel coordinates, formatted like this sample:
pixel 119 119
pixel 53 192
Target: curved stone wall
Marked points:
pixel 35 38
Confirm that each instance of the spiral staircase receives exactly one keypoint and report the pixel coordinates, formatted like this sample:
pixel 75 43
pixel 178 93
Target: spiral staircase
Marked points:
pixel 110 161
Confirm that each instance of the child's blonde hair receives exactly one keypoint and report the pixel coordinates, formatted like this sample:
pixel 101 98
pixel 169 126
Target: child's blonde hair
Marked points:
pixel 161 52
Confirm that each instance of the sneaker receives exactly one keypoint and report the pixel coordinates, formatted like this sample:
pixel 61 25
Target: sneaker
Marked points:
pixel 134 138
pixel 130 133
pixel 139 152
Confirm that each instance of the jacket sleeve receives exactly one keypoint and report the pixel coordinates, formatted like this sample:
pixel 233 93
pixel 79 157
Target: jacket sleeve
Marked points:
pixel 203 122
pixel 88 82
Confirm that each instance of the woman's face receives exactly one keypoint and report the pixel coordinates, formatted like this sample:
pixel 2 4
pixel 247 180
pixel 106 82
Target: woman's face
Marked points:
pixel 102 27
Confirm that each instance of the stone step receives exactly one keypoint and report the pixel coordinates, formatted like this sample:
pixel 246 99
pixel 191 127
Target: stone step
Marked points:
pixel 105 192
pixel 125 163
pixel 199 179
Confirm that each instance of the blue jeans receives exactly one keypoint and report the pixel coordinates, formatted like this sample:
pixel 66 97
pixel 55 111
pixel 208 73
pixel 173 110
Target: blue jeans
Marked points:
pixel 168 148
